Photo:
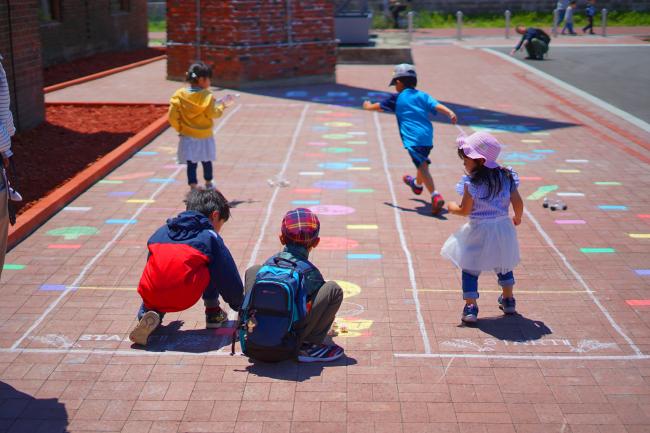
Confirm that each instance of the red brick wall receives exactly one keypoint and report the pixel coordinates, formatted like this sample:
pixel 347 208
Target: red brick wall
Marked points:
pixel 89 26
pixel 249 42
pixel 19 31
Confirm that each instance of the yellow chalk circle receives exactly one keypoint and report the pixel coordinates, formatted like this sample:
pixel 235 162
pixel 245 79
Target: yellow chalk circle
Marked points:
pixel 349 289
pixel 362 227
pixel 352 328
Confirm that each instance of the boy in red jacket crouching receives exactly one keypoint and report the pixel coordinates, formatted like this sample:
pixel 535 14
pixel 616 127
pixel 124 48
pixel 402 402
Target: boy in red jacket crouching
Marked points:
pixel 188 259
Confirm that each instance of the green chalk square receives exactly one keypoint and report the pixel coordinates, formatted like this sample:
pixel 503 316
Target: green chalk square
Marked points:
pixel 12 267
pixel 362 190
pixel 597 250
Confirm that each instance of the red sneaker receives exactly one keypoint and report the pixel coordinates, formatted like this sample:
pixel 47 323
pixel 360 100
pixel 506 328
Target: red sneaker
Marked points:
pixel 437 203
pixel 410 181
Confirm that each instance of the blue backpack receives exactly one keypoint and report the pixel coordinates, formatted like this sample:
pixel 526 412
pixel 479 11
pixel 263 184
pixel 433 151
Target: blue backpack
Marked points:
pixel 271 310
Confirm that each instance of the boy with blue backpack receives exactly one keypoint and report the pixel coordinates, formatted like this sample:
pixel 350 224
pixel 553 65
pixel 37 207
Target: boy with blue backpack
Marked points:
pixel 288 308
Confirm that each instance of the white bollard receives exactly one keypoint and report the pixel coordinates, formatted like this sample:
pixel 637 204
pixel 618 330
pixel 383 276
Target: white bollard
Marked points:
pixel 459 25
pixel 508 15
pixel 604 22
pixel 410 16
pixel 556 16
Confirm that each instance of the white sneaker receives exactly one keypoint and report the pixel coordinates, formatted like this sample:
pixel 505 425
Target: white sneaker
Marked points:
pixel 149 322
pixel 14 195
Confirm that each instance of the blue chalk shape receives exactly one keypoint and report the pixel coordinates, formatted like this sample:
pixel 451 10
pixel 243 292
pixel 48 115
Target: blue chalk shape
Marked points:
pixel 52 287
pixel 120 193
pixel 364 256
pixel 305 202
pixel 296 94
pixel 358 160
pixel 146 153
pixel 161 180
pixel 544 151
pixel 119 221
pixel 333 184
pixel 642 272
pixel 320 128
pixel 335 165
pixel 612 207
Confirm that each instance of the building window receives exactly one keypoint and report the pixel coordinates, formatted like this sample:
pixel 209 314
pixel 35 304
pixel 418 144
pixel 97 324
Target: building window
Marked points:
pixel 49 10
pixel 120 6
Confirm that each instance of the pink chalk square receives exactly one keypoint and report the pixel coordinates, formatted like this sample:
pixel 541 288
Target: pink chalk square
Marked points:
pixel 644 216
pixel 306 191
pixel 64 246
pixel 530 178
pixel 570 222
pixel 638 302
pixel 331 209
pixel 317 143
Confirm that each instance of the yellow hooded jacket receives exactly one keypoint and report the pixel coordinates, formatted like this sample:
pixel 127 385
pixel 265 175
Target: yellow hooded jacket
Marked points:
pixel 193 113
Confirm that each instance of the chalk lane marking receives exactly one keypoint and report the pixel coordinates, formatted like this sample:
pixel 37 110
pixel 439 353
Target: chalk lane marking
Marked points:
pixel 402 238
pixel 643 125
pixel 107 246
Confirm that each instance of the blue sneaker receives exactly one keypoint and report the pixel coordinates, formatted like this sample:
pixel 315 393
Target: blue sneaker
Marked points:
pixel 470 313
pixel 410 181
pixel 508 305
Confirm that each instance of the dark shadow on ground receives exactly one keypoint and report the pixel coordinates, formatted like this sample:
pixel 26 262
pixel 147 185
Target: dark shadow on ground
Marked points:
pixel 295 371
pixel 513 327
pixel 424 209
pixel 171 337
pixel 348 96
pixel 22 413
pixel 236 203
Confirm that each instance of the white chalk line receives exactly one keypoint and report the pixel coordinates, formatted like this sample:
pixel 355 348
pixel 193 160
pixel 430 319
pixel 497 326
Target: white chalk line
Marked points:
pixel 107 246
pixel 528 357
pixel 402 238
pixel 280 175
pixel 643 125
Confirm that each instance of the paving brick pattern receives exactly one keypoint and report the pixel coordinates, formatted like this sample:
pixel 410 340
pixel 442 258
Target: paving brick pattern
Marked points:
pixel 563 365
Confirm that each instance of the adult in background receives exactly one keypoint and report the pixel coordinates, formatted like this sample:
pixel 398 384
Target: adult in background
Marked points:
pixel 535 41
pixel 6 131
pixel 396 7
pixel 561 8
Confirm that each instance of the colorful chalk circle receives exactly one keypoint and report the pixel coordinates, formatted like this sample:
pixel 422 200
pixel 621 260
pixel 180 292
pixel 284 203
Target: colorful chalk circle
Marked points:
pixel 608 183
pixel 73 232
pixel 337 150
pixel 335 165
pixel 337 136
pixel 597 250
pixel 338 124
pixel 362 227
pixel 12 267
pixel 639 235
pixel 542 191
pixel 336 243
pixel 349 289
pixel 364 256
pixel 612 207
pixel 333 184
pixel 333 210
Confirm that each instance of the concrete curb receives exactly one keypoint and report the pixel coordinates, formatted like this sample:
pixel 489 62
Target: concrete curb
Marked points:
pixel 102 74
pixel 49 205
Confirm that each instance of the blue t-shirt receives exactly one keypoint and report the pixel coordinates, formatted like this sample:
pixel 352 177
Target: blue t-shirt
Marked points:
pixel 412 109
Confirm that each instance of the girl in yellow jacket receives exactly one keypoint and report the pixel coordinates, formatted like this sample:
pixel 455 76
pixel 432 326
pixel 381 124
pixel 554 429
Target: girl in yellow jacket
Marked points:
pixel 192 111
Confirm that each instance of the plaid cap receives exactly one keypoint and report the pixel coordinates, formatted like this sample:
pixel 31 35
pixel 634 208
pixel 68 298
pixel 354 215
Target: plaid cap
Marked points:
pixel 300 226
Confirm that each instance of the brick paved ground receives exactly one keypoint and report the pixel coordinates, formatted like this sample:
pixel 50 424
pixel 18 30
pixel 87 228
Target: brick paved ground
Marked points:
pixel 573 361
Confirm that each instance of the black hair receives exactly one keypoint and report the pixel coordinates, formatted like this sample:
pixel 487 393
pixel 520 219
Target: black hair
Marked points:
pixel 206 201
pixel 492 177
pixel 196 71
pixel 409 82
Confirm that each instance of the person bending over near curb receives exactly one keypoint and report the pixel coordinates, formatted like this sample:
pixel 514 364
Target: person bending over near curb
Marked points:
pixel 535 40
pixel 289 308
pixel 412 109
pixel 189 259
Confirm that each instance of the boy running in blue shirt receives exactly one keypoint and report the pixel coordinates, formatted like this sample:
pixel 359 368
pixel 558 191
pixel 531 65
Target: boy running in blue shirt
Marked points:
pixel 412 109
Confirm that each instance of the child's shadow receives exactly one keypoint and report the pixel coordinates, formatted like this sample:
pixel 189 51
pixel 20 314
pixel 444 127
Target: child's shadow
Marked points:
pixel 235 203
pixel 171 337
pixel 424 210
pixel 513 327
pixel 295 371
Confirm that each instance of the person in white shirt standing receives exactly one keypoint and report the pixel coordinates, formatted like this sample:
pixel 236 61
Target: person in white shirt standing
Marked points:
pixel 7 130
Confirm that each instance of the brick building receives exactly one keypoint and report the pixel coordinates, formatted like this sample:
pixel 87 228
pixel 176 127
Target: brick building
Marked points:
pixel 39 33
pixel 253 42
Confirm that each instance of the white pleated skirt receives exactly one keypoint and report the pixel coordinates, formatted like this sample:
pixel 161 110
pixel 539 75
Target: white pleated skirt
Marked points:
pixel 484 245
pixel 196 149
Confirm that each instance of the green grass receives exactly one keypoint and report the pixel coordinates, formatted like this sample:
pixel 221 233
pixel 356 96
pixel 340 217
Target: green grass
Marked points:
pixel 157 25
pixel 433 20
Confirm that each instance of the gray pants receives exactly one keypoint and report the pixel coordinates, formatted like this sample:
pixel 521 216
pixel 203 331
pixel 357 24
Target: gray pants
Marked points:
pixel 313 328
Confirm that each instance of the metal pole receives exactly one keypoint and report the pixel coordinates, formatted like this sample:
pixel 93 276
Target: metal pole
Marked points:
pixel 508 14
pixel 198 30
pixel 459 25
pixel 289 23
pixel 556 15
pixel 410 22
pixel 604 21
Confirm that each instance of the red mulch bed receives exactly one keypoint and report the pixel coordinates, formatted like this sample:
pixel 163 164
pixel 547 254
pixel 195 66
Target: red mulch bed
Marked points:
pixel 97 63
pixel 71 139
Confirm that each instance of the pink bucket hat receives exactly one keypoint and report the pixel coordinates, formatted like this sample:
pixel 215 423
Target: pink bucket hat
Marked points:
pixel 480 145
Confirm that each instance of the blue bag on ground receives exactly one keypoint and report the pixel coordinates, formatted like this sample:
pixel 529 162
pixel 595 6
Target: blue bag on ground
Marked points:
pixel 271 310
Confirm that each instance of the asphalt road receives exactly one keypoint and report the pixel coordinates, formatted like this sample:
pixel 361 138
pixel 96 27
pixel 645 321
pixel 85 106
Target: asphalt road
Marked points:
pixel 618 75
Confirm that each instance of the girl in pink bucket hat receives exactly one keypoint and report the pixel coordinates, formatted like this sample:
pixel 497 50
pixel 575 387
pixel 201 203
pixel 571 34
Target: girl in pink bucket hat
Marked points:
pixel 488 242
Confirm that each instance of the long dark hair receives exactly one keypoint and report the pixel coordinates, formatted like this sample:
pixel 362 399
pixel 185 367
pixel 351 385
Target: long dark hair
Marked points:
pixel 494 178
